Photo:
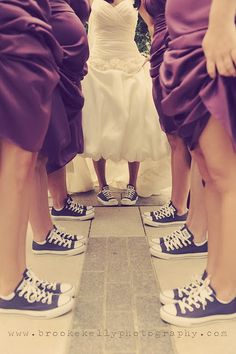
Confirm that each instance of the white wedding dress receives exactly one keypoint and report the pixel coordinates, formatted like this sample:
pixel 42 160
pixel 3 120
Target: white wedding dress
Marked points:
pixel 120 122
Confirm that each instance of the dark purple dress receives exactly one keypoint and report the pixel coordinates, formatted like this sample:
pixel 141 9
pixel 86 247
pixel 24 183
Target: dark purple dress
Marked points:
pixel 28 72
pixel 156 9
pixel 81 8
pixel 190 95
pixel 65 136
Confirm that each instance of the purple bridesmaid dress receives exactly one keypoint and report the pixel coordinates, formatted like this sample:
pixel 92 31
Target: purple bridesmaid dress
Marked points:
pixel 65 137
pixel 156 9
pixel 189 94
pixel 81 8
pixel 29 56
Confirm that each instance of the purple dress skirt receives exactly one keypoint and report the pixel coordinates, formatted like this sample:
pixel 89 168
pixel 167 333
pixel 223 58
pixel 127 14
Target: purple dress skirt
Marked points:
pixel 29 56
pixel 156 9
pixel 190 96
pixel 65 136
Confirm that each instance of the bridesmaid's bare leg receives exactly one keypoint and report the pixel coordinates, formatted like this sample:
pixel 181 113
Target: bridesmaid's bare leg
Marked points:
pixel 180 169
pixel 219 174
pixel 58 188
pixel 16 171
pixel 197 217
pixel 40 218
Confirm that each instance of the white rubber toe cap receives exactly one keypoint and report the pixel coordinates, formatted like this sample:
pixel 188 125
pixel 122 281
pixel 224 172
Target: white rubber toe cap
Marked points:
pixel 63 300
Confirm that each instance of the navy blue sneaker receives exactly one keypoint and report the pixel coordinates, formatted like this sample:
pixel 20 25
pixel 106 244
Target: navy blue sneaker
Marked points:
pixel 181 246
pixel 174 295
pixel 164 216
pixel 68 236
pixel 130 196
pixel 106 197
pixel 73 211
pixel 54 288
pixel 55 244
pixel 200 307
pixel 29 300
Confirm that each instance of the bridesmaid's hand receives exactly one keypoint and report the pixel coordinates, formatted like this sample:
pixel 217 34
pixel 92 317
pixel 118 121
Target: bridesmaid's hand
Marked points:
pixel 219 46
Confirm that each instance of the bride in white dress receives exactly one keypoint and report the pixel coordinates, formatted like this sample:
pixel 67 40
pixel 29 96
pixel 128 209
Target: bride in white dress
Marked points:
pixel 120 122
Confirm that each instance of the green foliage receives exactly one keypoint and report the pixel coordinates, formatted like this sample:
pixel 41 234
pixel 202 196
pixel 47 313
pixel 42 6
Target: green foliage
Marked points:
pixel 142 37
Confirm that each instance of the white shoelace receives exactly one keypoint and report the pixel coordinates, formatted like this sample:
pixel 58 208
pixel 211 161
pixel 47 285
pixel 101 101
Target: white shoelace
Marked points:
pixel 195 283
pixel 46 285
pixel 129 193
pixel 65 235
pixel 73 206
pixel 178 242
pixel 165 211
pixel 33 294
pixel 56 239
pixel 197 299
pixel 173 235
pixel 107 193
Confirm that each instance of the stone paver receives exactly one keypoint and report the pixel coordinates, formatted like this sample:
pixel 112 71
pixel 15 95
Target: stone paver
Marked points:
pixel 119 298
pixel 117 222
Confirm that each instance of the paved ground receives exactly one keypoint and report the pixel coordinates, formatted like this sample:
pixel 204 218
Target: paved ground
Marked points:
pixel 117 307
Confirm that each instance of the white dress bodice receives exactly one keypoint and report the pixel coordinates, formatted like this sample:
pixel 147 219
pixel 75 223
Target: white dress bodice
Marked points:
pixel 111 36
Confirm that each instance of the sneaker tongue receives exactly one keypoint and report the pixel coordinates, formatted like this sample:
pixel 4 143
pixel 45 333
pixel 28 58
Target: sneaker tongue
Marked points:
pixel 172 205
pixel 130 187
pixel 21 284
pixel 212 291
pixel 205 275
pixel 105 187
pixel 26 273
pixel 49 233
pixel 186 233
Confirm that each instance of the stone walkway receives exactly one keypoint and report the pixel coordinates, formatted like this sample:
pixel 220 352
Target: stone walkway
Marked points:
pixel 117 306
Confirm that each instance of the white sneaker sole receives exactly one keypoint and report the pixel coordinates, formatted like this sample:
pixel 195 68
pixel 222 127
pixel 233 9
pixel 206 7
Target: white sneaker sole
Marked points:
pixel 161 224
pixel 167 256
pixel 189 322
pixel 56 312
pixel 112 202
pixel 128 202
pixel 79 218
pixel 72 252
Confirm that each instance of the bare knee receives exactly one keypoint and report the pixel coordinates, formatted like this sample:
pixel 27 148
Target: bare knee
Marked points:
pixel 220 179
pixel 216 175
pixel 176 143
pixel 23 171
pixel 178 148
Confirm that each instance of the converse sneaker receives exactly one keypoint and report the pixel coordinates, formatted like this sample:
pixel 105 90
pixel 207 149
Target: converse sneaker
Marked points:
pixel 165 216
pixel 174 295
pixel 198 308
pixel 158 240
pixel 68 236
pixel 29 300
pixel 54 288
pixel 130 197
pixel 106 198
pixel 73 211
pixel 180 246
pixel 55 244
